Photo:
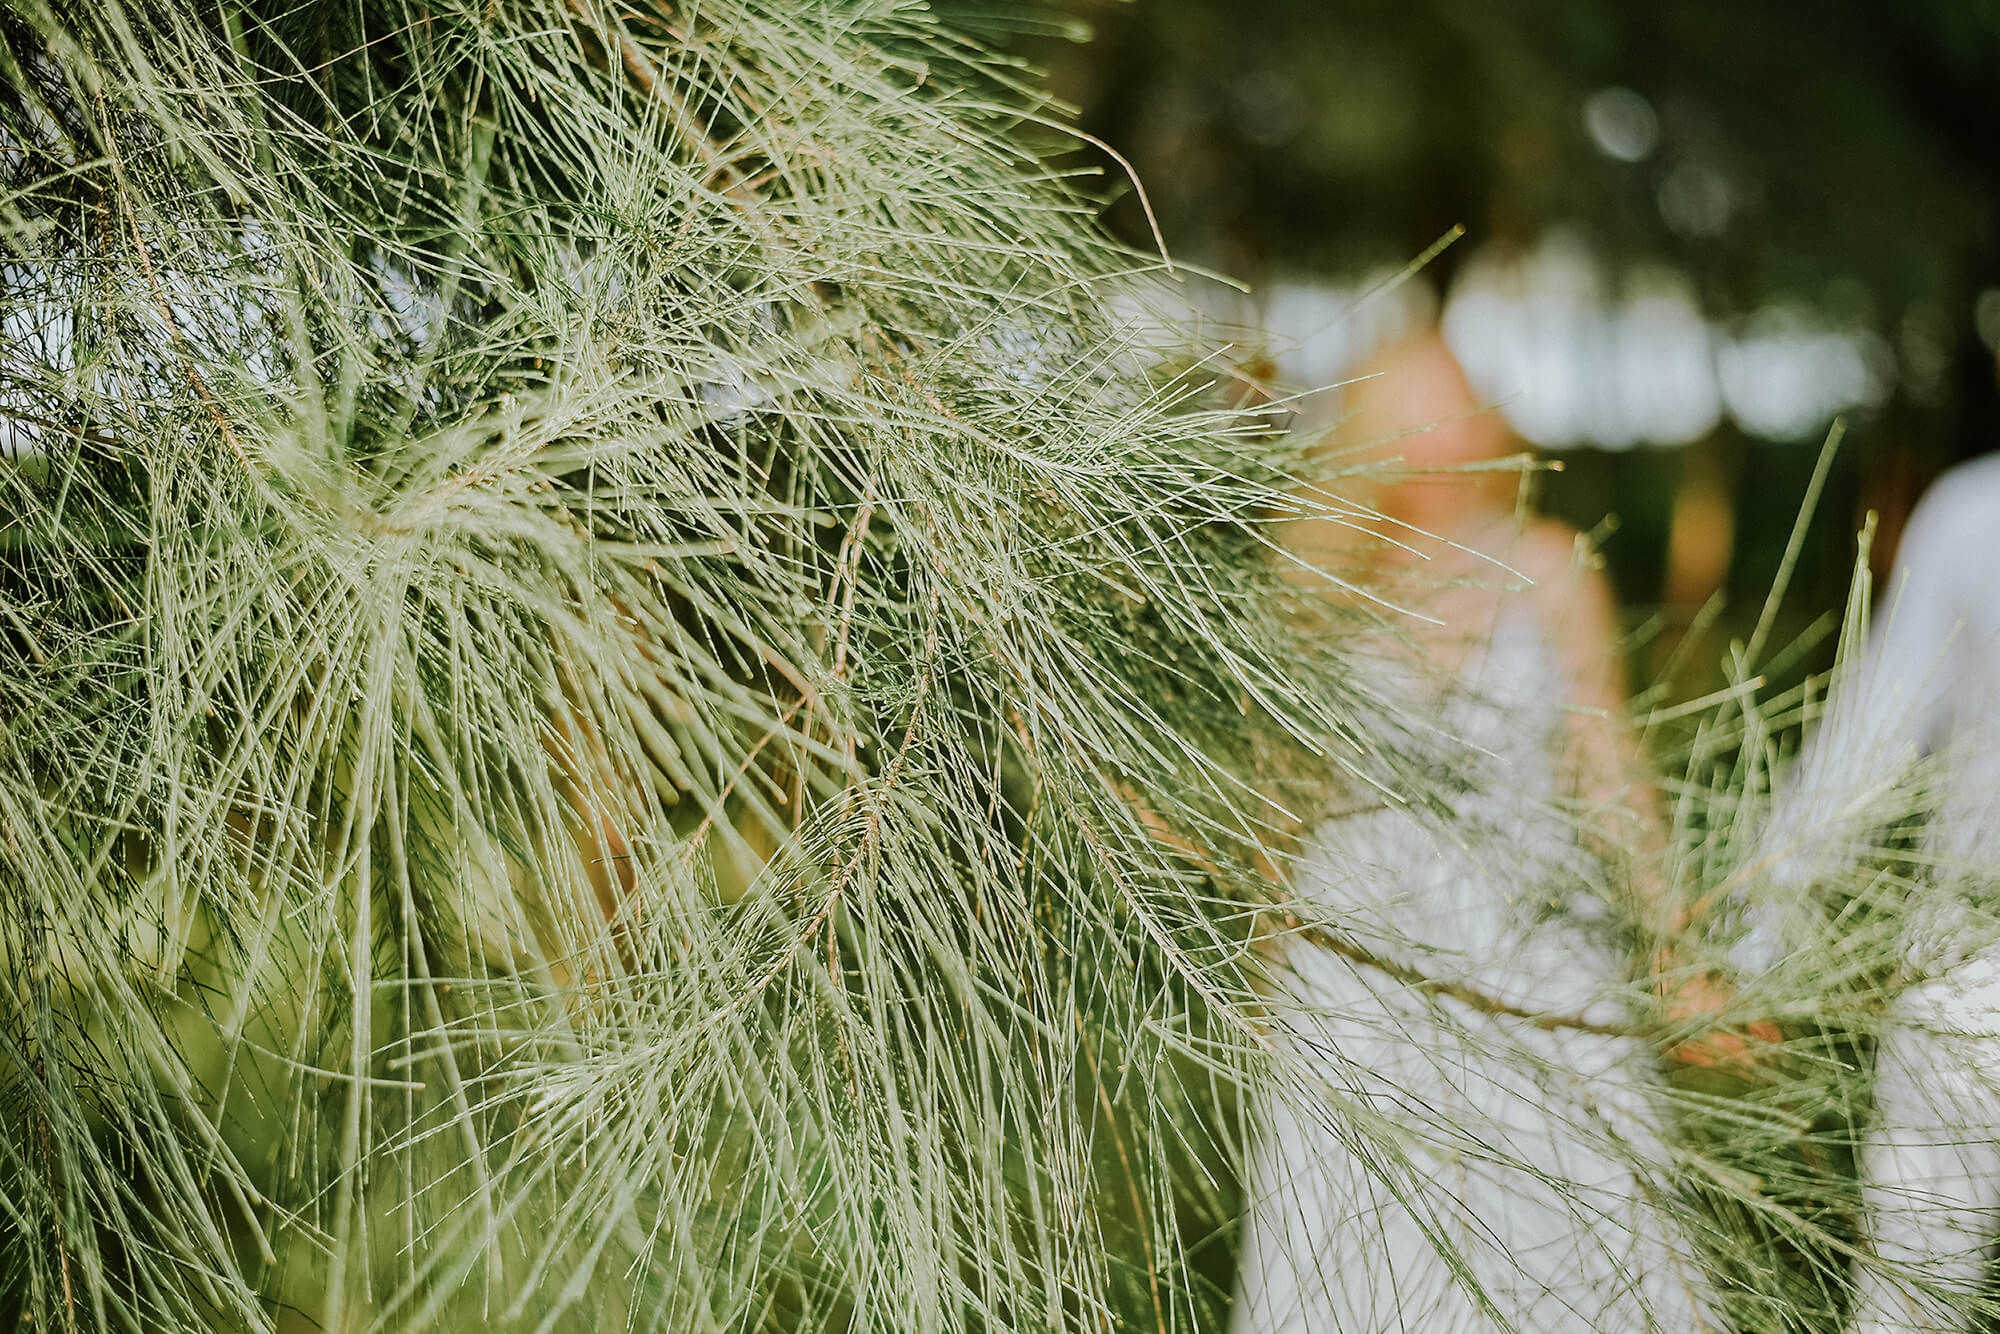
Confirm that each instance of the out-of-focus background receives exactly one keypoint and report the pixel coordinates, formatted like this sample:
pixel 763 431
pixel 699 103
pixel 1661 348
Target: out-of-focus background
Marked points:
pixel 1696 234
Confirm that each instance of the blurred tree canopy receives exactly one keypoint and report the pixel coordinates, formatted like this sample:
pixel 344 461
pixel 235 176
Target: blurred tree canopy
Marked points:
pixel 1795 144
pixel 1836 155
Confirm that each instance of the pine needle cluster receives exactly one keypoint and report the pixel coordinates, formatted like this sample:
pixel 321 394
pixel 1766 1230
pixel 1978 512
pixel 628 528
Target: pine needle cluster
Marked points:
pixel 631 698
pixel 626 701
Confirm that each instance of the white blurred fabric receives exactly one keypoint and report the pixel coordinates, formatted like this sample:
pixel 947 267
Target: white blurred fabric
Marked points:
pixel 1424 1165
pixel 1930 1167
pixel 1926 690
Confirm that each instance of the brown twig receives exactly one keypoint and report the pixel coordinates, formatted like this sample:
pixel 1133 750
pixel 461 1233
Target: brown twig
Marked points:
pixel 209 402
pixel 870 837
pixel 715 163
pixel 1472 997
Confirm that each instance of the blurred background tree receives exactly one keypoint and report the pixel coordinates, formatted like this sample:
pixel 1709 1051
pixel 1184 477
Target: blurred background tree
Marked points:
pixel 1695 234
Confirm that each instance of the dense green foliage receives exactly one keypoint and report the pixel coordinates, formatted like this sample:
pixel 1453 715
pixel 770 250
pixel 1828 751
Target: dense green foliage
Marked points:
pixel 600 626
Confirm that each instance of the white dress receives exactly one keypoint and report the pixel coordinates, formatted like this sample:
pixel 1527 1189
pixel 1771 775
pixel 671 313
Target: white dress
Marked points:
pixel 1424 1165
pixel 1927 686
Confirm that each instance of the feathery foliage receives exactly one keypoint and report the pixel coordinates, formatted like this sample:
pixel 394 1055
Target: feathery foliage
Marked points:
pixel 626 702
